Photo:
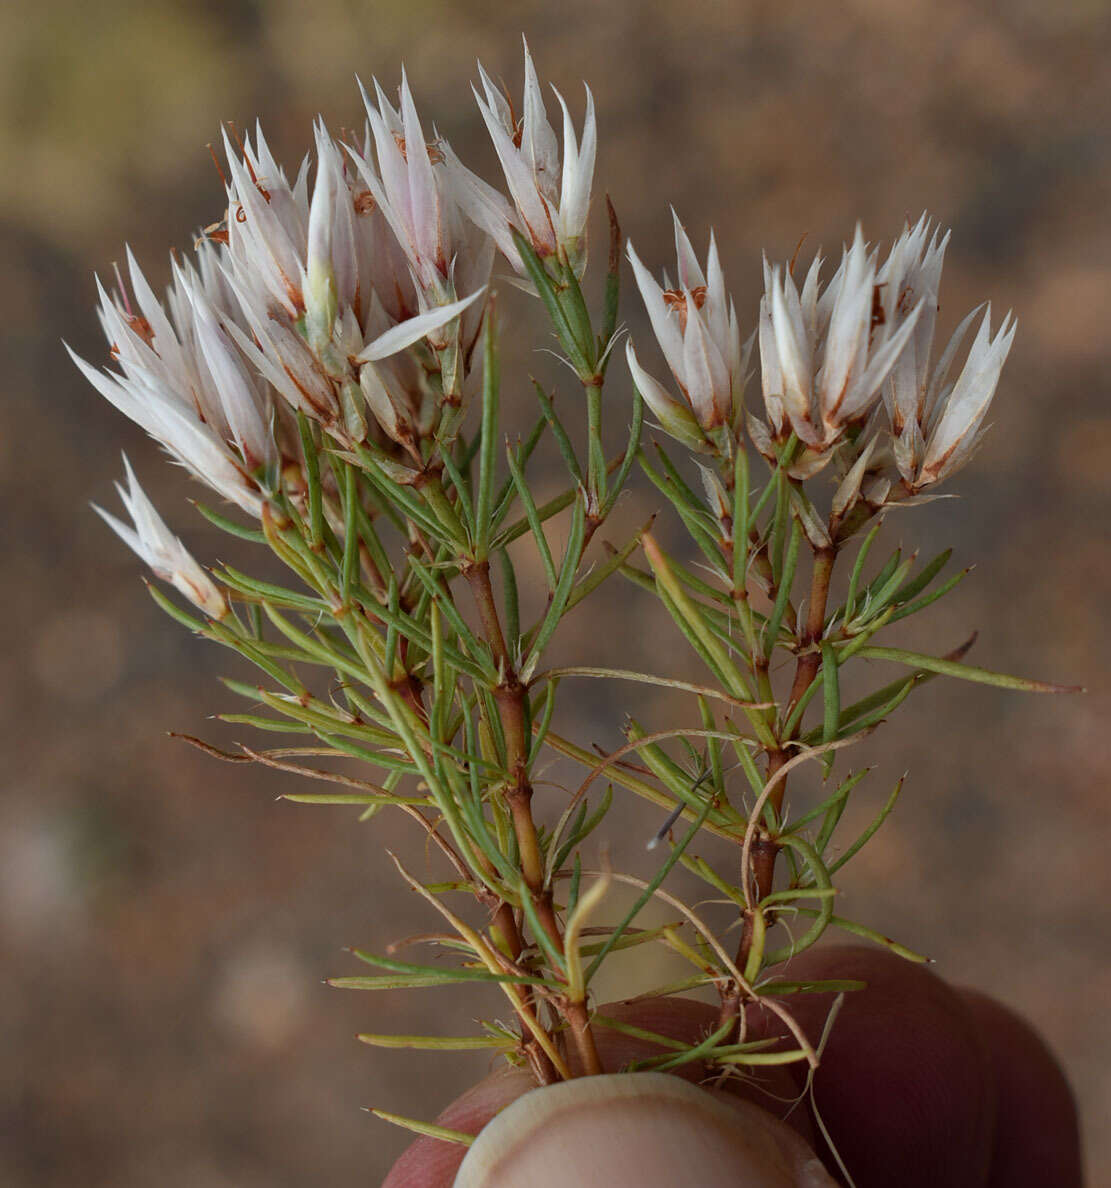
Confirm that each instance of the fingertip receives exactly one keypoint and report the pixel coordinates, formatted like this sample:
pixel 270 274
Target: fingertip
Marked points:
pixel 433 1163
pixel 647 1129
pixel 1037 1131
pixel 904 1087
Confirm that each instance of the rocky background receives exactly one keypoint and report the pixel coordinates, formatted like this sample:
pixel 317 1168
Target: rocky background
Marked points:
pixel 164 924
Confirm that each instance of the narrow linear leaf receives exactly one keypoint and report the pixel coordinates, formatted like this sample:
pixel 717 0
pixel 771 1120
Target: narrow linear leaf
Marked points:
pixel 912 608
pixel 870 934
pixel 352 798
pixel 230 526
pixel 312 480
pixel 350 531
pixel 292 598
pixel 870 832
pixel 831 689
pixel 462 503
pixel 773 988
pixel 631 451
pixel 533 517
pixel 571 557
pixel 964 672
pixel 857 570
pixel 783 594
pixel 690 510
pixel 488 436
pixel 444 1133
pixel 599 573
pixel 437 1043
pixel 175 611
pixel 925 575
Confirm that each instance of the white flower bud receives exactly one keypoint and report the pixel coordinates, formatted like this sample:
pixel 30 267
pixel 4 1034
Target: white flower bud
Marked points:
pixel 960 414
pixel 696 327
pixel 826 355
pixel 162 551
pixel 549 206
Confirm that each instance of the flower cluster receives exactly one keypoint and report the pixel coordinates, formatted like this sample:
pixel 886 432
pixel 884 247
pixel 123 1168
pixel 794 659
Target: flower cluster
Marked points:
pixel 696 326
pixel 844 367
pixel 549 208
pixel 356 306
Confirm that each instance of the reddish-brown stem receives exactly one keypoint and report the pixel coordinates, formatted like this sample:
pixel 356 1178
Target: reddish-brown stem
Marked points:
pixel 578 1020
pixel 810 656
pixel 765 850
pixel 509 696
pixel 506 934
pixel 482 590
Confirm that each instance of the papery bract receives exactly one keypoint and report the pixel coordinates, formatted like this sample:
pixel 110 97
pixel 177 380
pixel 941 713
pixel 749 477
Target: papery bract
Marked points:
pixel 161 550
pixel 696 327
pixel 549 205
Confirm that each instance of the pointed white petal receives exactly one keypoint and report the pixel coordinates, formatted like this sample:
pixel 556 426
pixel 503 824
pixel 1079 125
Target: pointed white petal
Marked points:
pixel 864 388
pixel 578 171
pixel 771 372
pixel 689 271
pixel 944 365
pixel 673 416
pixel 849 327
pixel 704 372
pixel 968 403
pixel 538 141
pixel 792 347
pixel 162 551
pixel 414 329
pixel 424 197
pixel 521 182
pixel 665 326
pixel 846 494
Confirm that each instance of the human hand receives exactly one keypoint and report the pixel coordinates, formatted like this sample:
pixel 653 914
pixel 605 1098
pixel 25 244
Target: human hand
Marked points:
pixel 920 1084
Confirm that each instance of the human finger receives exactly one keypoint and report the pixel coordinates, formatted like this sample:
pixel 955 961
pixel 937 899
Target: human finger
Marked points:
pixel 647 1130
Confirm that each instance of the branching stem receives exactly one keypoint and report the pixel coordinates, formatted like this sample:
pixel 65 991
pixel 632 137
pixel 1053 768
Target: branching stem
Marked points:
pixel 509 696
pixel 765 849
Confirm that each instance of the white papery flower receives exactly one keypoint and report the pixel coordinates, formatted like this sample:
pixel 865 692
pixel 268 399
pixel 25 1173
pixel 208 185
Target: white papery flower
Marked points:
pixel 166 385
pixel 911 273
pixel 285 306
pixel 267 223
pixel 413 190
pixel 161 550
pixel 695 324
pixel 951 429
pixel 825 354
pixel 935 427
pixel 549 206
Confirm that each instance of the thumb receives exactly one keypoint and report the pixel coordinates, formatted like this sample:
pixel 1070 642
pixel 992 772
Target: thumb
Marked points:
pixel 645 1130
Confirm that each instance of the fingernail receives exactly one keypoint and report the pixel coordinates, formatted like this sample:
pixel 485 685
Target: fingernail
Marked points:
pixel 644 1129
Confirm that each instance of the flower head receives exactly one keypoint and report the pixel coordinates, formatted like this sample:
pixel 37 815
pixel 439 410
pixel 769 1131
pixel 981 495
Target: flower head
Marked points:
pixel 947 429
pixel 408 181
pixel 180 382
pixel 549 206
pixel 161 550
pixel 826 353
pixel 285 306
pixel 695 324
pixel 911 274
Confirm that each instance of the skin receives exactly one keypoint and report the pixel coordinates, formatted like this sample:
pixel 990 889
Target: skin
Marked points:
pixel 920 1084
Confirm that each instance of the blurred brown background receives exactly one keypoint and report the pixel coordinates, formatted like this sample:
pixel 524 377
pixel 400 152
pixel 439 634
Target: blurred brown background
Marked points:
pixel 165 924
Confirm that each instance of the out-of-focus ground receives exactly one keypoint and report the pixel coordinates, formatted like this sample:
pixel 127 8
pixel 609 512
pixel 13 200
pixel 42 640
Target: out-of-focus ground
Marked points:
pixel 165 924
